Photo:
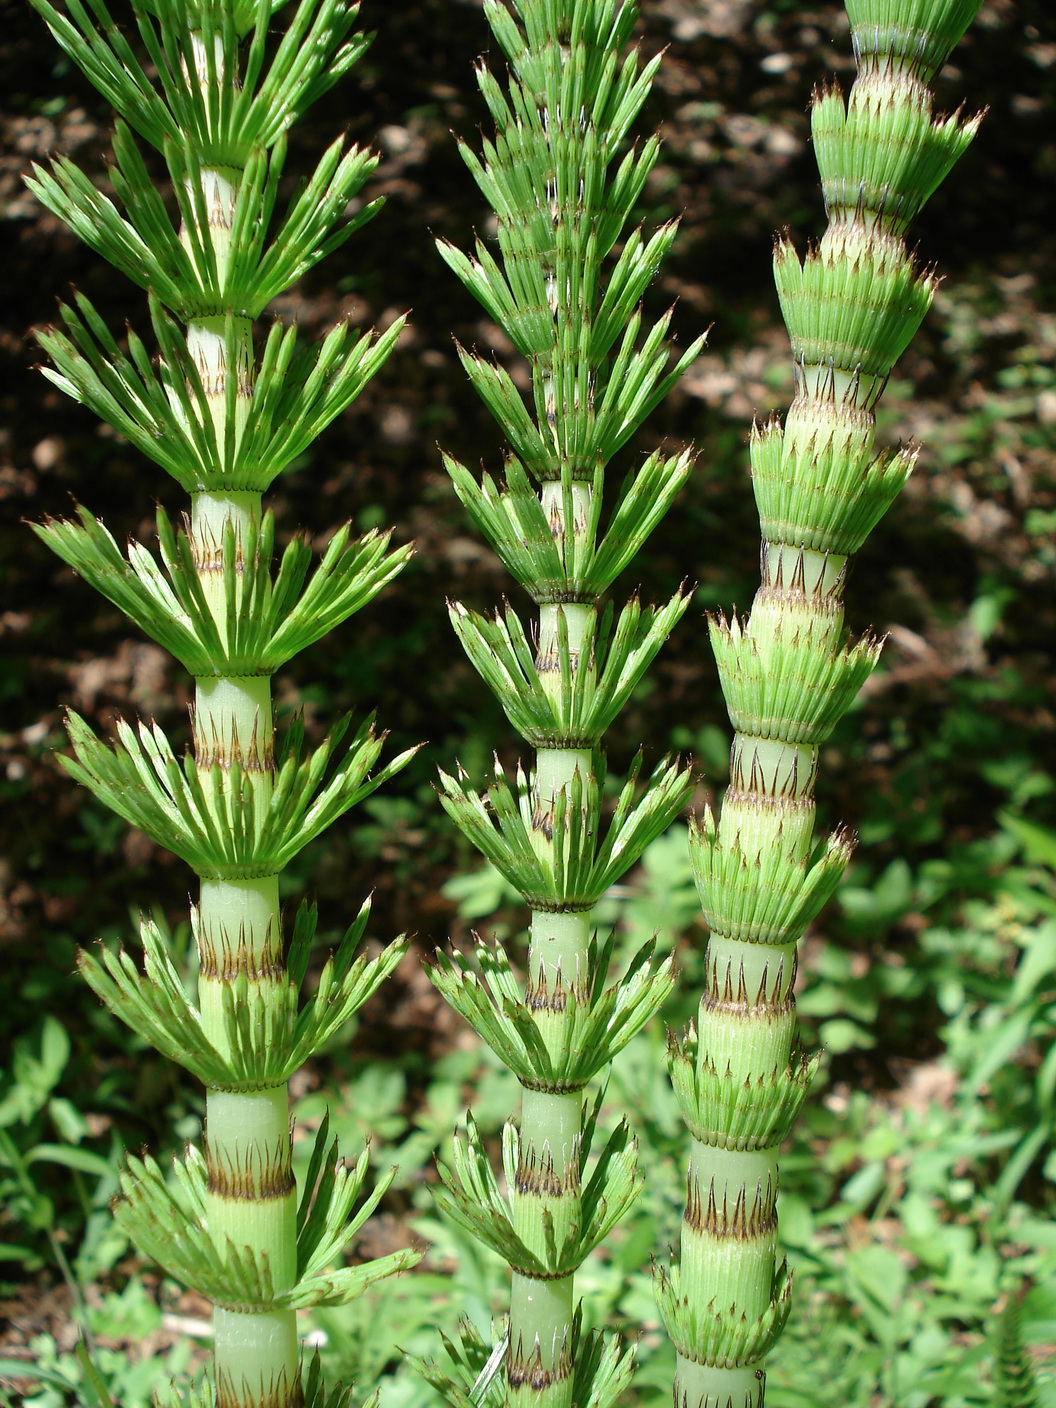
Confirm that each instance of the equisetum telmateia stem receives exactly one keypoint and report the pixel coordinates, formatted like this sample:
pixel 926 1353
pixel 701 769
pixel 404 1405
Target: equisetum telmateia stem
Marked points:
pixel 224 413
pixel 562 183
pixel 788 675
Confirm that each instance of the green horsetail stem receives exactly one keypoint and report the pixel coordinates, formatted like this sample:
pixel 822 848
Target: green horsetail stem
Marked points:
pixel 224 418
pixel 788 675
pixel 562 181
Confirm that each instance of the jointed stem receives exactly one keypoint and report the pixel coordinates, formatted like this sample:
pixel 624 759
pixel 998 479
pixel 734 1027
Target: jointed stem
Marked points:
pixel 563 180
pixel 788 674
pixel 251 1199
pixel 540 1355
pixel 217 108
pixel 716 1386
pixel 251 1195
pixel 539 1365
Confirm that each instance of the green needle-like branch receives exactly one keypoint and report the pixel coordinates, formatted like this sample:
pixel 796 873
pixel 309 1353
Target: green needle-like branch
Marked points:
pixel 564 278
pixel 216 811
pixel 265 622
pixel 267 1035
pixel 167 411
pixel 788 674
pixel 548 1047
pixel 224 412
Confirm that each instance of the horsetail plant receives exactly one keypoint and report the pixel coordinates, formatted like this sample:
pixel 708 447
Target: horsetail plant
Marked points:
pixel 1014 1380
pixel 224 414
pixel 562 182
pixel 788 675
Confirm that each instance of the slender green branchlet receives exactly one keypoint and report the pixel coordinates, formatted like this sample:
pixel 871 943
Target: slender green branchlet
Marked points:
pixel 788 674
pixel 224 412
pixel 563 182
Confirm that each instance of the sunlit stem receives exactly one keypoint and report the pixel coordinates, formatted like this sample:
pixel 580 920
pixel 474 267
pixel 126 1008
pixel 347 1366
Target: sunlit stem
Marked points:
pixel 251 1202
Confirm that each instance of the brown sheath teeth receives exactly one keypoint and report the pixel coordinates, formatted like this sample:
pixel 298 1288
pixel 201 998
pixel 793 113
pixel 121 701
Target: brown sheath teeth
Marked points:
pixel 860 394
pixel 764 800
pixel 527 1371
pixel 222 957
pixel 775 587
pixel 538 1178
pixel 214 384
pixel 550 663
pixel 208 563
pixel 234 968
pixel 279 1393
pixel 758 784
pixel 752 1398
pixel 750 1217
pixel 542 1000
pixel 773 997
pixel 225 756
pixel 558 527
pixel 543 994
pixel 207 550
pixel 748 1011
pixel 265 1174
pixel 213 748
pixel 534 1377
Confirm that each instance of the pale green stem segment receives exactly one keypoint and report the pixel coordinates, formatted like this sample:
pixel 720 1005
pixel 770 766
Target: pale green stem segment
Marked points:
pixel 251 1198
pixel 539 1364
pixel 558 952
pixel 221 348
pixel 253 1358
pixel 539 1367
pixel 710 1386
pixel 566 535
pixel 251 1204
pixel 729 1240
pixel 233 720
pixel 250 1188
pixel 239 939
pixel 816 575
